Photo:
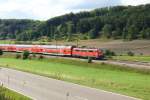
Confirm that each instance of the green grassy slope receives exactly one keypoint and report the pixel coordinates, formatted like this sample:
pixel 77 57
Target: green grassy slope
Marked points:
pixel 108 77
pixel 6 94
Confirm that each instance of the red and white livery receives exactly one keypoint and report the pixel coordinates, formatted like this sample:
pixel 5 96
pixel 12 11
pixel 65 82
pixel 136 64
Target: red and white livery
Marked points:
pixel 71 51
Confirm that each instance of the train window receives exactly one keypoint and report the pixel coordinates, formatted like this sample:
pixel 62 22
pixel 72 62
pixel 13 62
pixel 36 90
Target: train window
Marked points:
pixel 77 50
pixel 83 50
pixel 90 51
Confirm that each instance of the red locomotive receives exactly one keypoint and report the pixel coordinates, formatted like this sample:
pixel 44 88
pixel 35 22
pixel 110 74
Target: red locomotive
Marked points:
pixel 71 51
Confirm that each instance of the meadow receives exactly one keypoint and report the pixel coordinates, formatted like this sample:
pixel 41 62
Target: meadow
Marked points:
pixel 6 94
pixel 123 80
pixel 7 42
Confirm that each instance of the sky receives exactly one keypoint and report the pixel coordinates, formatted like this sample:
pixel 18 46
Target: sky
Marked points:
pixel 46 9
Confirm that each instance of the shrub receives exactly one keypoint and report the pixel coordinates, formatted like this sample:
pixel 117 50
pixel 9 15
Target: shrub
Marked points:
pixel 18 56
pixel 141 54
pixel 26 54
pixel 30 57
pixel 89 59
pixel 130 53
pixel 41 57
pixel 34 55
pixel 109 53
pixel 1 52
pixel 113 53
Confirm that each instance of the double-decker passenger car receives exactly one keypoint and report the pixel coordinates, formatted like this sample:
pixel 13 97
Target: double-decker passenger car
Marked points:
pixel 7 47
pixel 57 50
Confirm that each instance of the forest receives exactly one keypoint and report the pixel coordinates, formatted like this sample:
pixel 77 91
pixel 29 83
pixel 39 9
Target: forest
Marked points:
pixel 118 22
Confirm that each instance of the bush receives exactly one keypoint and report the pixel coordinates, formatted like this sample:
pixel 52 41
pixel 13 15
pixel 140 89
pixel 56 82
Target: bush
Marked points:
pixel 41 57
pixel 89 59
pixel 30 57
pixel 109 53
pixel 1 52
pixel 18 56
pixel 34 55
pixel 26 54
pixel 130 53
pixel 141 54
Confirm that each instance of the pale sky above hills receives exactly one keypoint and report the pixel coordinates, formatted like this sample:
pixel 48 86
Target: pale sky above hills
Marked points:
pixel 45 9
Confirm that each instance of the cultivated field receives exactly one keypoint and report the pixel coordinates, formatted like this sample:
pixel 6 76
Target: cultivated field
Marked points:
pixel 132 82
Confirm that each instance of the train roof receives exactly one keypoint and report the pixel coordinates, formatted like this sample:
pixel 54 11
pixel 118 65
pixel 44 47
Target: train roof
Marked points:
pixel 86 49
pixel 43 46
pixel 55 46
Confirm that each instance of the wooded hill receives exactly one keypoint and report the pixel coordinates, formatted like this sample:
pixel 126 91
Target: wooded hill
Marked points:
pixel 119 22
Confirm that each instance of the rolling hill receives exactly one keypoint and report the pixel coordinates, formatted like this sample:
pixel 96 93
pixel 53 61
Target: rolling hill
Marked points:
pixel 119 22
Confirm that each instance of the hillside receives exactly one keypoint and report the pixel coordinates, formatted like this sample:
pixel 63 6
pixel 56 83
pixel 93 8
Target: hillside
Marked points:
pixel 119 22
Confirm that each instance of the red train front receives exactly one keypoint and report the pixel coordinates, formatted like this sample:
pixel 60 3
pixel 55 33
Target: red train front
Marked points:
pixel 87 52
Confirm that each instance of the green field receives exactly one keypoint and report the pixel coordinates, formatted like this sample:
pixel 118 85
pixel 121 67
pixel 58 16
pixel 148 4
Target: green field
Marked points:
pixel 133 58
pixel 7 42
pixel 6 94
pixel 126 81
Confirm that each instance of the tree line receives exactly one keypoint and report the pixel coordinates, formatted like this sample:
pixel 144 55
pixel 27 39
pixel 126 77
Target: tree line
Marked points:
pixel 118 22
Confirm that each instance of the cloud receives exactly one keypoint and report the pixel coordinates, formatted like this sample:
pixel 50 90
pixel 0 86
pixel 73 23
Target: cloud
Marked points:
pixel 45 9
pixel 90 4
pixel 134 2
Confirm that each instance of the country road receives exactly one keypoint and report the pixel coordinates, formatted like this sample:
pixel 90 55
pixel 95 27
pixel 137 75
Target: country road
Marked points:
pixel 43 88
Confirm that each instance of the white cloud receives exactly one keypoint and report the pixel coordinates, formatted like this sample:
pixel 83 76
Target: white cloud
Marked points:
pixel 45 9
pixel 40 9
pixel 134 2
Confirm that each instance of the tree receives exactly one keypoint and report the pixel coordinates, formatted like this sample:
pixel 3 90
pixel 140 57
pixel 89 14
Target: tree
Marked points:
pixel 132 32
pixel 26 54
pixel 1 52
pixel 125 33
pixel 145 33
pixel 116 33
pixel 107 30
pixel 93 34
pixel 70 31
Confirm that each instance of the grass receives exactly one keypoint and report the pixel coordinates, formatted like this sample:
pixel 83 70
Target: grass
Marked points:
pixel 133 58
pixel 6 94
pixel 7 41
pixel 127 81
